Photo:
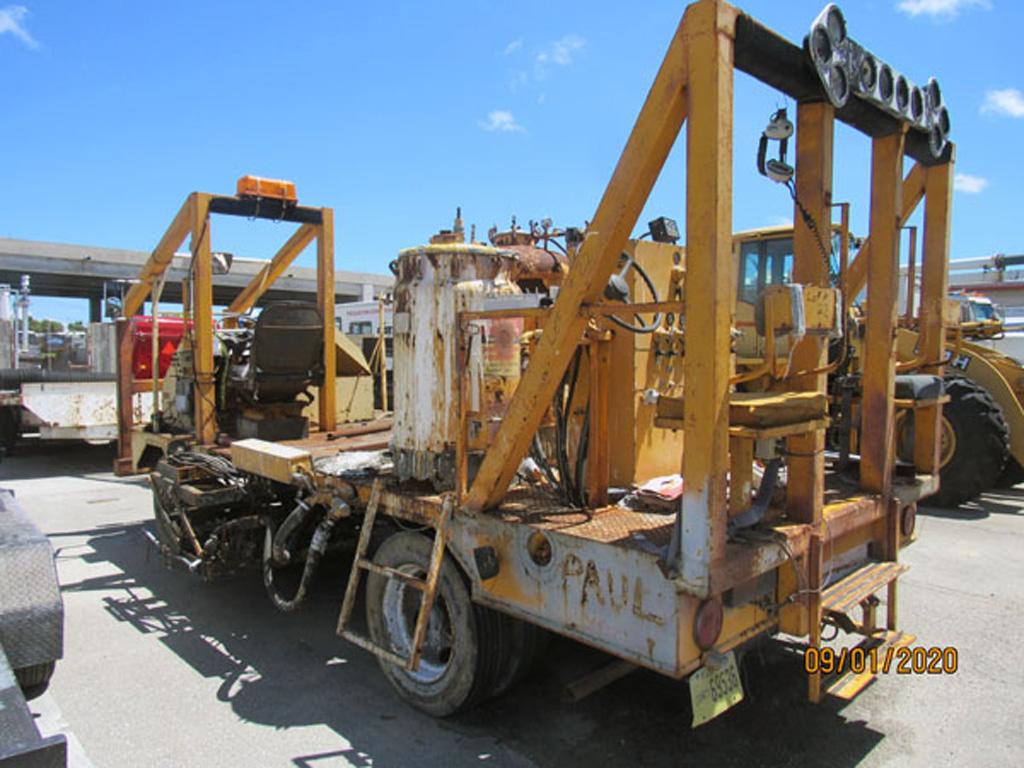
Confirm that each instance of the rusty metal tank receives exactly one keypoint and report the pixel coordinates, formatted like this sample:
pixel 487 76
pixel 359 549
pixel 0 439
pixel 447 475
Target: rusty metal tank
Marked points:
pixel 434 283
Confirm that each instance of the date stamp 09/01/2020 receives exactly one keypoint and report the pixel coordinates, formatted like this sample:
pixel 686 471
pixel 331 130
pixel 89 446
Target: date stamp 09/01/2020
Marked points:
pixel 903 660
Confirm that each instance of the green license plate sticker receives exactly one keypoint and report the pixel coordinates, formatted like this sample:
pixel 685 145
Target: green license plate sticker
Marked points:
pixel 712 691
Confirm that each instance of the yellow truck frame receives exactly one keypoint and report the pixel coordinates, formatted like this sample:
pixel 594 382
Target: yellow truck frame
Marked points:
pixel 193 221
pixel 592 581
pixel 676 593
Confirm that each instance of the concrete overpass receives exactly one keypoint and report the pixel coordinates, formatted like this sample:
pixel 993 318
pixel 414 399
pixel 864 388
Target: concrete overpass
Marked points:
pixel 81 271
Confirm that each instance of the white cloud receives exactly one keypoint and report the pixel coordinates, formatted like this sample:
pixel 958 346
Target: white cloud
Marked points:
pixel 501 120
pixel 1008 101
pixel 512 47
pixel 940 9
pixel 561 51
pixel 11 19
pixel 970 185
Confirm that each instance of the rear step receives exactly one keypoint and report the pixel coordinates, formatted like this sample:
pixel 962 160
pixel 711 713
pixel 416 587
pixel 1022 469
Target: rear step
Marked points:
pixel 878 657
pixel 846 594
pixel 857 590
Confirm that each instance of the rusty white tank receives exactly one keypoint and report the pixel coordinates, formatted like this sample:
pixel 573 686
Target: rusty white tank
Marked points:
pixel 434 284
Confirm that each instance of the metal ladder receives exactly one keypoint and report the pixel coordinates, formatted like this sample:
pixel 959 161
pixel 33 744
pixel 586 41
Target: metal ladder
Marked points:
pixel 427 586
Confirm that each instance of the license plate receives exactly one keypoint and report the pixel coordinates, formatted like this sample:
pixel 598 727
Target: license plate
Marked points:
pixel 715 687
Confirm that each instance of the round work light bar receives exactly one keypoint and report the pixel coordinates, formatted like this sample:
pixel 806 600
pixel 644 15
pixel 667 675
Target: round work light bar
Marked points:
pixel 846 68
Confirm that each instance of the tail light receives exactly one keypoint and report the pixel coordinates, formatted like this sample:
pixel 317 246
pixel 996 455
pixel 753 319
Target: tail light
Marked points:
pixel 707 624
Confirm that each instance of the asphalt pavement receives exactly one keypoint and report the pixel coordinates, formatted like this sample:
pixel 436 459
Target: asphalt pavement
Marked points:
pixel 161 669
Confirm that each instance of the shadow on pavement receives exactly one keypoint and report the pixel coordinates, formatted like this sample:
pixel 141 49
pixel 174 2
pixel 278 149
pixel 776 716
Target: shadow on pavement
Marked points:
pixel 998 501
pixel 290 670
pixel 35 459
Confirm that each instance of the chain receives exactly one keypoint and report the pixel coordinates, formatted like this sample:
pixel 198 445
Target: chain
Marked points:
pixel 812 225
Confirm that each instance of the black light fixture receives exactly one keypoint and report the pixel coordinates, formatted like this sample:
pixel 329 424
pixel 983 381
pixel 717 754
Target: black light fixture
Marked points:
pixel 664 230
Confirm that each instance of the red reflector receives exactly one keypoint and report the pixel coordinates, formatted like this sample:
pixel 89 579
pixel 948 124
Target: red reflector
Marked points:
pixel 707 624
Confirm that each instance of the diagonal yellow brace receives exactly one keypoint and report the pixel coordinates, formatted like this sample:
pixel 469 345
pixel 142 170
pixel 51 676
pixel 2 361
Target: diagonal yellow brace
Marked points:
pixel 161 257
pixel 857 274
pixel 271 271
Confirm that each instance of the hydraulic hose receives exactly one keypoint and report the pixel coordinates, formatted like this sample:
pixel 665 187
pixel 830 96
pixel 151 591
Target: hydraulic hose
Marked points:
pixel 317 547
pixel 653 326
pixel 279 550
pixel 13 377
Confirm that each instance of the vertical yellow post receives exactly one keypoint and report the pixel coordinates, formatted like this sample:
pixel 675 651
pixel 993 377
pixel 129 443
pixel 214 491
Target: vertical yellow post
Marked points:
pixel 598 459
pixel 708 30
pixel 325 302
pixel 382 354
pixel 125 390
pixel 877 416
pixel 934 286
pixel 202 321
pixel 814 133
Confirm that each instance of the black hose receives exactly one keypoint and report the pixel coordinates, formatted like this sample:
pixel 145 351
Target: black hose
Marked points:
pixel 538 455
pixel 317 547
pixel 12 377
pixel 641 328
pixel 563 414
pixel 755 512
pixel 581 460
pixel 296 517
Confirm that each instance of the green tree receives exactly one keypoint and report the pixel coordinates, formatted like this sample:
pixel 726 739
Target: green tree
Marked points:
pixel 77 325
pixel 45 325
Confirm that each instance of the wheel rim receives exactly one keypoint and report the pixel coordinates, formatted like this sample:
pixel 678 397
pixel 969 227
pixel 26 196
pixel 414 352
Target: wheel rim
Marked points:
pixel 400 607
pixel 947 443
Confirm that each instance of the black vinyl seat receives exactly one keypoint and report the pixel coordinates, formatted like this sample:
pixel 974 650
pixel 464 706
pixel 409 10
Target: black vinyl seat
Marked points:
pixel 287 350
pixel 919 386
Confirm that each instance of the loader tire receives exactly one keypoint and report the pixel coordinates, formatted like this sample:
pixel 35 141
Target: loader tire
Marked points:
pixel 1013 474
pixel 466 656
pixel 35 679
pixel 976 441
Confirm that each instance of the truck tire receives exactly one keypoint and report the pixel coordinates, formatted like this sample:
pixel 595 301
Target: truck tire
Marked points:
pixel 527 644
pixel 467 653
pixel 975 439
pixel 9 418
pixel 34 679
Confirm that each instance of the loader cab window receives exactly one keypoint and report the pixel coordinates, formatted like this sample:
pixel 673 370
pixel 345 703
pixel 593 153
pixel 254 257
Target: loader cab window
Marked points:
pixel 764 263
pixel 750 271
pixel 779 254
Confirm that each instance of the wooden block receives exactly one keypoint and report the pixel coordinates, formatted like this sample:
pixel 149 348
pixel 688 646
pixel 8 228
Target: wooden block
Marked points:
pixel 773 409
pixel 271 460
pixel 757 410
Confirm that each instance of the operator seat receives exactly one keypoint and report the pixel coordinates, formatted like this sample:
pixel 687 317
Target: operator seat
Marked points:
pixel 287 351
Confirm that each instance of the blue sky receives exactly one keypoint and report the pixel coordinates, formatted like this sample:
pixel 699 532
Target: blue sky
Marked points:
pixel 394 113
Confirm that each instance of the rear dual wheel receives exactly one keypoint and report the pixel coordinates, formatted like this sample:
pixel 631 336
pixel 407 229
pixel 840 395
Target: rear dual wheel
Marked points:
pixel 470 652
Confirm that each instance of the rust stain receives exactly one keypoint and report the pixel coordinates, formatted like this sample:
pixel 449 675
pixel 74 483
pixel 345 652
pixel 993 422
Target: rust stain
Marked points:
pixel 638 605
pixel 591 582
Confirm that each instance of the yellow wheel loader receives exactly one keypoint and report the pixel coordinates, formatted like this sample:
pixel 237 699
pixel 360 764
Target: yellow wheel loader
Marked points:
pixel 982 436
